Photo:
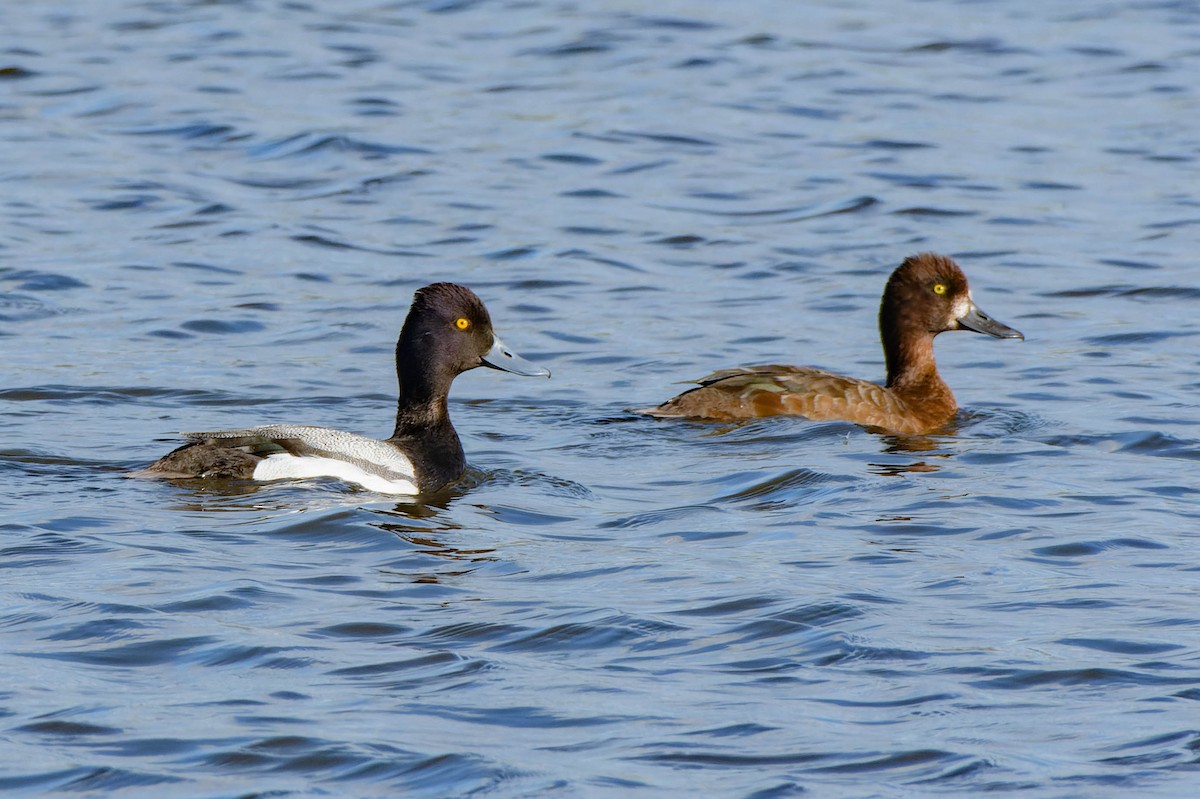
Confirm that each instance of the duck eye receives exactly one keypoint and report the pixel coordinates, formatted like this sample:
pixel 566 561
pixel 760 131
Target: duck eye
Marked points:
pixel 939 288
pixel 462 323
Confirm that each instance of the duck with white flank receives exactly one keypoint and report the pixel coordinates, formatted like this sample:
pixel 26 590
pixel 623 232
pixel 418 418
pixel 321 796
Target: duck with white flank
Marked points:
pixel 448 331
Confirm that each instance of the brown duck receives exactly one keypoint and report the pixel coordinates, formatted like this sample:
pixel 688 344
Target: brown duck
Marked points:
pixel 926 295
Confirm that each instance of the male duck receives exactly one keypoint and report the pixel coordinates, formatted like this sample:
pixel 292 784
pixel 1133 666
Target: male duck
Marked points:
pixel 926 295
pixel 447 332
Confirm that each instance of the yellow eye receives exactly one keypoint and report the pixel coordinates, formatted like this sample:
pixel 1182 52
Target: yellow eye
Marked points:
pixel 462 323
pixel 940 288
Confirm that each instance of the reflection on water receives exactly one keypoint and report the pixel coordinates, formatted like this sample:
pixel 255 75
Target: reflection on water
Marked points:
pixel 898 469
pixel 424 540
pixel 928 446
pixel 216 214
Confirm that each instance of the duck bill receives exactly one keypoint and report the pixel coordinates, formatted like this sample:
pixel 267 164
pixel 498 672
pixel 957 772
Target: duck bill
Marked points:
pixel 977 320
pixel 502 358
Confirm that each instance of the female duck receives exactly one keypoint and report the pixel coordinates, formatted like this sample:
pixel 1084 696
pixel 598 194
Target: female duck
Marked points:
pixel 448 331
pixel 926 295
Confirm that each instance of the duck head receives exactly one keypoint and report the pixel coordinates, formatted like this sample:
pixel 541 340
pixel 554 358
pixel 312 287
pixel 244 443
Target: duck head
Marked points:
pixel 449 331
pixel 928 294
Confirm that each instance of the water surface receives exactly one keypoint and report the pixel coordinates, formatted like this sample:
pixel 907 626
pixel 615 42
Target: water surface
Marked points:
pixel 215 214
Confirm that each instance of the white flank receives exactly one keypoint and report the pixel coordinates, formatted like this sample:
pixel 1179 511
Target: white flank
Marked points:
pixel 284 467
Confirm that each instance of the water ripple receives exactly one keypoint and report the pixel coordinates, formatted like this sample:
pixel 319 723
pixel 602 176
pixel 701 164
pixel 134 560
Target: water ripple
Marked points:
pixel 220 211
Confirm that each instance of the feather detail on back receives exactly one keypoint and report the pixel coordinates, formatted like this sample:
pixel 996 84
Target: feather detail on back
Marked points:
pixel 815 394
pixel 370 455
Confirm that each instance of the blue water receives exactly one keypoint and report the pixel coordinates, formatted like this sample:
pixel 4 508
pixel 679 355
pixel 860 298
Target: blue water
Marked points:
pixel 215 214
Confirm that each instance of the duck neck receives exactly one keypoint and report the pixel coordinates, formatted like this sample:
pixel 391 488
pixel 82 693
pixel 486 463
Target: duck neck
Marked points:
pixel 420 405
pixel 911 368
pixel 424 432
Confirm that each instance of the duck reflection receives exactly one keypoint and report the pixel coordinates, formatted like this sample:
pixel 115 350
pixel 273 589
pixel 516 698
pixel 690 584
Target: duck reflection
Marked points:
pixel 431 558
pixel 929 446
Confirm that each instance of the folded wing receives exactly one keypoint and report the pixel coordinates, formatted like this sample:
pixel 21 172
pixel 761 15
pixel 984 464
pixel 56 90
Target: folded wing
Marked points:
pixel 773 389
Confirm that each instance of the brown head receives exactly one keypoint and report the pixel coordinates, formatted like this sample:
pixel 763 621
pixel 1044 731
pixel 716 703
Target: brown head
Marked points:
pixel 926 295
